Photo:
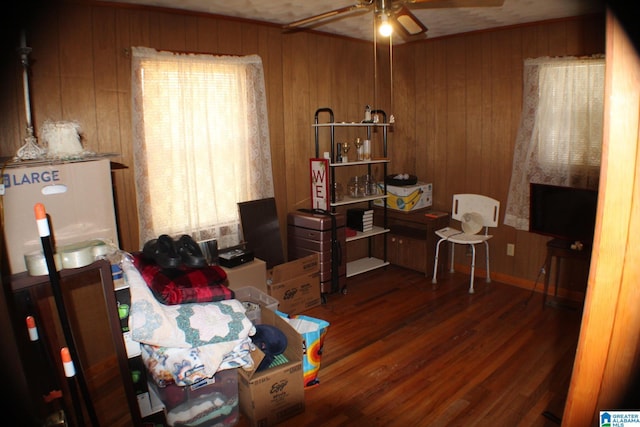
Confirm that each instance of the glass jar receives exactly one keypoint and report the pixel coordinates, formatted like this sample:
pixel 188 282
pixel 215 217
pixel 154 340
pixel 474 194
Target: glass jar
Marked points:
pixel 339 191
pixel 369 186
pixel 356 188
pixel 359 149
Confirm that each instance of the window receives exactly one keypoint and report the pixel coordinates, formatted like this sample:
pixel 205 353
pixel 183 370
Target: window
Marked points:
pixel 201 143
pixel 570 114
pixel 559 140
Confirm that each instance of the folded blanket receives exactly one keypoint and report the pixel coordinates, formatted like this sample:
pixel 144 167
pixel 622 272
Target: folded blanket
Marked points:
pixel 184 285
pixel 215 409
pixel 188 366
pixel 183 325
pixel 173 396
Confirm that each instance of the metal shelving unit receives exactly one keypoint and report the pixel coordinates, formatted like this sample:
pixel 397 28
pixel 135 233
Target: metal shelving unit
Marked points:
pixel 370 262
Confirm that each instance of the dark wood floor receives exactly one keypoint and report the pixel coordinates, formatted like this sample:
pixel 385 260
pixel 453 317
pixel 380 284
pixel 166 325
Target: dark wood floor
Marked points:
pixel 399 352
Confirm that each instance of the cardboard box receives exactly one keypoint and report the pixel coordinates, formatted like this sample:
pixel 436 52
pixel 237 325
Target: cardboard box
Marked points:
pixel 296 284
pixel 83 211
pixel 252 273
pixel 407 198
pixel 271 396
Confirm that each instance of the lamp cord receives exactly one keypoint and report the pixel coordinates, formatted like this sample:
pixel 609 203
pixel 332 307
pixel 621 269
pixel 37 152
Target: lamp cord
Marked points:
pixel 391 115
pixel 535 284
pixel 375 66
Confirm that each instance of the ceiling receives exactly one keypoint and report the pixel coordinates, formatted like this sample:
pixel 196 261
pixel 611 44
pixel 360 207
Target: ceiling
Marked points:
pixel 359 24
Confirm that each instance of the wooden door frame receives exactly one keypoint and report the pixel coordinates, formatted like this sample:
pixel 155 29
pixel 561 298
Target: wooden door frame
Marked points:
pixel 608 354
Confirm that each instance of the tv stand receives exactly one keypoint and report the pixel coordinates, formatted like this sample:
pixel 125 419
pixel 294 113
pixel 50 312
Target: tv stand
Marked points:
pixel 567 244
pixel 561 249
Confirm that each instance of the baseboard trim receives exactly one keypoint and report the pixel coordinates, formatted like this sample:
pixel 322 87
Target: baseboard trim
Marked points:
pixel 519 282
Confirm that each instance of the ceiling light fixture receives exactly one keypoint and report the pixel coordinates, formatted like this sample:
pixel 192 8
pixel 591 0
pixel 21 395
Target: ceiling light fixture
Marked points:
pixel 385 29
pixel 409 25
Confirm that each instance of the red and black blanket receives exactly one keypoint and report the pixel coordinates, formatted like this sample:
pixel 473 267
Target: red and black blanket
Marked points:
pixel 184 285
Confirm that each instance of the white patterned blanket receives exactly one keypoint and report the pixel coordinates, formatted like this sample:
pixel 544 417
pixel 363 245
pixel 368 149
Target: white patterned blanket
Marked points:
pixel 213 331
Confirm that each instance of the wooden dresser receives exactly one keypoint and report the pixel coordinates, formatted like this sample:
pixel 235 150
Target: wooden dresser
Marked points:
pixel 411 241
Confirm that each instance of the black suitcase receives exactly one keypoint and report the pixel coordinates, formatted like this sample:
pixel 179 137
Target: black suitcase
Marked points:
pixel 317 231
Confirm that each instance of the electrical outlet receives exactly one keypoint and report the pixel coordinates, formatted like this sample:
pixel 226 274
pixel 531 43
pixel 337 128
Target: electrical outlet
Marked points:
pixel 511 249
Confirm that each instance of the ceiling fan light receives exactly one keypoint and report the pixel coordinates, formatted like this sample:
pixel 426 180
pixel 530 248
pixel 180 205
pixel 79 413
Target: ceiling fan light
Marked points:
pixel 385 29
pixel 409 24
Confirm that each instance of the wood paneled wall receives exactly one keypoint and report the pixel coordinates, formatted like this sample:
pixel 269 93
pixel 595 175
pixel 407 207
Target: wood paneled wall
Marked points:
pixel 456 101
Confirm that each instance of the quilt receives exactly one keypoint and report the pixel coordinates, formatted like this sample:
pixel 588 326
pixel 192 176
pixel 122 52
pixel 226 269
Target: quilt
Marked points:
pixel 188 341
pixel 189 366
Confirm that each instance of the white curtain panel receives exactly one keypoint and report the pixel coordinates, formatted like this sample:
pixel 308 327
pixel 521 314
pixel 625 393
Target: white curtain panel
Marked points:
pixel 559 140
pixel 201 142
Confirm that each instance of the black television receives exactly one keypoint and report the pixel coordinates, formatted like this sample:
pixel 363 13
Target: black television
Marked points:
pixel 565 213
pixel 261 230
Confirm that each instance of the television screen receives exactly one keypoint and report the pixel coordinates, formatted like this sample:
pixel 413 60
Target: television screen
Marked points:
pixel 261 230
pixel 565 213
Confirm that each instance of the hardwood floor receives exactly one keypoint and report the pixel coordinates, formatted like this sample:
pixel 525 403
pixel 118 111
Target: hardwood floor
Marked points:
pixel 399 352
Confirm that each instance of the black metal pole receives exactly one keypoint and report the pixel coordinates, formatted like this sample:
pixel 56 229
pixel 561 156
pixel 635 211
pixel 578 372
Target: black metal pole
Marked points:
pixel 70 373
pixel 45 371
pixel 47 247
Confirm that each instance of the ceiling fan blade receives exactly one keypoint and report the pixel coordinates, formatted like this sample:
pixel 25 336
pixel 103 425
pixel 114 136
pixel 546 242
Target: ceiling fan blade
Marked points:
pixel 437 4
pixel 325 15
pixel 407 23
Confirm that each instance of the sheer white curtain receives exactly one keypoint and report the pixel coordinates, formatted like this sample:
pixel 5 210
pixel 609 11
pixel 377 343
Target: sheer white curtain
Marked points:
pixel 559 141
pixel 201 142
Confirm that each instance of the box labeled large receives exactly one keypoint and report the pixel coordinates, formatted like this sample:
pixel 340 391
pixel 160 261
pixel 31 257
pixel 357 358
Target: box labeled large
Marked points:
pixel 407 198
pixel 296 284
pixel 271 396
pixel 78 199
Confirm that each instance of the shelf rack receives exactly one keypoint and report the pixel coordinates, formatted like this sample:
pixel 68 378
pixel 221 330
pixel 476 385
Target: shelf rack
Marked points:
pixel 369 262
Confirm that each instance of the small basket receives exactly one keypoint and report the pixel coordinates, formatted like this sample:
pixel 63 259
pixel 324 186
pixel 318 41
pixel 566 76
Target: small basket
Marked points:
pixel 398 182
pixel 254 300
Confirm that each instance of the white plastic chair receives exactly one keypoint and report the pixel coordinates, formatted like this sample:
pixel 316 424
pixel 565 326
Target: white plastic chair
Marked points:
pixel 475 213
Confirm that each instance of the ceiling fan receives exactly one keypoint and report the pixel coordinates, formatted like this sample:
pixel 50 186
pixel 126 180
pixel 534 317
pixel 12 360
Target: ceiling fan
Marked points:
pixel 396 12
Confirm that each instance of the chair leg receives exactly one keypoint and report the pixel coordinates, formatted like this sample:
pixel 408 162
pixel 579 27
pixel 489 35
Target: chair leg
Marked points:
pixel 473 268
pixel 452 254
pixel 435 262
pixel 486 246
